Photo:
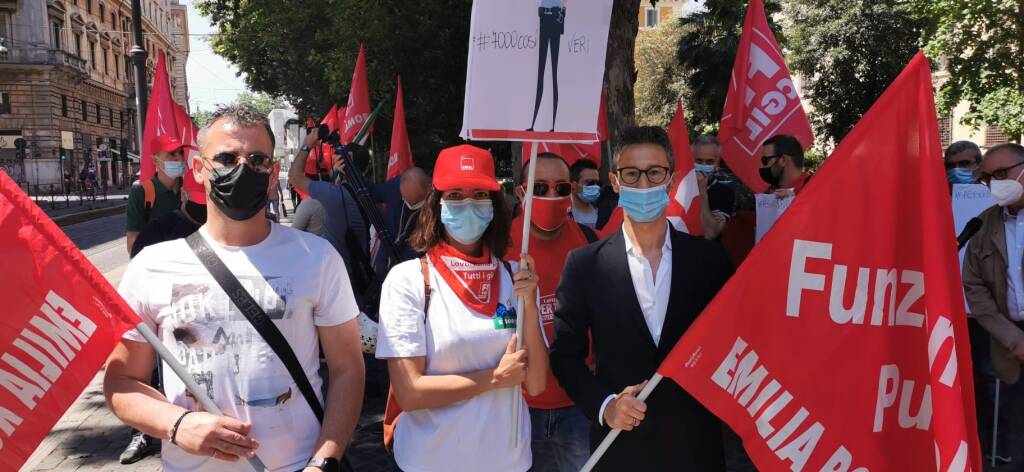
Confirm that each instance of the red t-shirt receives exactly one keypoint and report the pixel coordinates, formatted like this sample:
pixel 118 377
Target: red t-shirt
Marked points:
pixel 549 256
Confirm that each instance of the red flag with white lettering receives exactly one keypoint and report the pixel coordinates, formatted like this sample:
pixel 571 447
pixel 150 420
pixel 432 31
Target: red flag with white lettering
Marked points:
pixel 762 101
pixel 358 108
pixel 160 117
pixel 400 157
pixel 61 320
pixel 188 134
pixel 841 342
pixel 684 206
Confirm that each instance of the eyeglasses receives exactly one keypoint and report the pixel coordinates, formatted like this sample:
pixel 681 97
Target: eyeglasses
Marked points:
pixel 766 159
pixel 654 175
pixel 969 164
pixel 256 160
pixel 998 174
pixel 541 188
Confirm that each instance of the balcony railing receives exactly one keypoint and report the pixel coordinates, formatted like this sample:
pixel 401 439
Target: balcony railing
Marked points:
pixel 43 56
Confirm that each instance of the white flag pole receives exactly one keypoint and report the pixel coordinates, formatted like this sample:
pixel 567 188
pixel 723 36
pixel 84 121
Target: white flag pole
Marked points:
pixel 607 442
pixel 190 383
pixel 521 302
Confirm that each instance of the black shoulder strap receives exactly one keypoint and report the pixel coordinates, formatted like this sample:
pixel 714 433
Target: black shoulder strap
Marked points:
pixel 259 319
pixel 588 233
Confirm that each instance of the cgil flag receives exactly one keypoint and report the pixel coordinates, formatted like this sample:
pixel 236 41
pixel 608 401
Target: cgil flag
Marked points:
pixel 400 154
pixel 684 206
pixel 762 101
pixel 841 342
pixel 61 321
pixel 358 109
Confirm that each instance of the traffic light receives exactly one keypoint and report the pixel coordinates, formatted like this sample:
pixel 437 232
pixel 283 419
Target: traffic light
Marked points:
pixel 63 154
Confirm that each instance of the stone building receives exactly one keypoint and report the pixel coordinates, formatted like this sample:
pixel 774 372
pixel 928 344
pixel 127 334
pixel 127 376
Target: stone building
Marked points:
pixel 67 87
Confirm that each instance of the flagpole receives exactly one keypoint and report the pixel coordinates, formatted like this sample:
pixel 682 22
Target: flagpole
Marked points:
pixel 520 301
pixel 190 383
pixel 607 441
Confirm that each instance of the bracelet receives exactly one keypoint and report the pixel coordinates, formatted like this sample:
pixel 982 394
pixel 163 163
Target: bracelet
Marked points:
pixel 174 429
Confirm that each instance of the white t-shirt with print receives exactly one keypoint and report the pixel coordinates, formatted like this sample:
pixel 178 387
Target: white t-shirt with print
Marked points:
pixel 471 435
pixel 298 279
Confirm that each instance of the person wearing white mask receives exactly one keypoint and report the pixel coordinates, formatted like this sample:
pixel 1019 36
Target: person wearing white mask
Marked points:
pixel 150 199
pixel 994 284
pixel 717 198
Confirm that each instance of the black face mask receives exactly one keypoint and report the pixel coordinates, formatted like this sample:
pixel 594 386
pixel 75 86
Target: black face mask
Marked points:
pixel 769 177
pixel 239 192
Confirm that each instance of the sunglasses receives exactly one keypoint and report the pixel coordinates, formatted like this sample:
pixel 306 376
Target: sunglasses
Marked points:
pixel 961 165
pixel 541 188
pixel 588 182
pixel 256 160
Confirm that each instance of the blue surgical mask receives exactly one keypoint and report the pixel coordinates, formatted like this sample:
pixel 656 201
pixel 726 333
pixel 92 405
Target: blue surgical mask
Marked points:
pixel 466 220
pixel 706 169
pixel 590 193
pixel 959 175
pixel 643 205
pixel 174 169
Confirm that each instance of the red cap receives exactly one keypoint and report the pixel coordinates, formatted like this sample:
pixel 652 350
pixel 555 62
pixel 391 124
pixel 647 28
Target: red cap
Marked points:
pixel 465 166
pixel 168 143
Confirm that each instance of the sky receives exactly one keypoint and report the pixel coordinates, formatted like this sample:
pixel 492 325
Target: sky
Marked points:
pixel 211 79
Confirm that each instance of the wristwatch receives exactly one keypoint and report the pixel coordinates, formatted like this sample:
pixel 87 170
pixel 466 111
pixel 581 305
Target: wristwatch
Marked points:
pixel 305 148
pixel 326 464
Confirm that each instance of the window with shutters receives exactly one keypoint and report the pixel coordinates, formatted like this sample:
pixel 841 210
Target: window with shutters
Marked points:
pixel 995 135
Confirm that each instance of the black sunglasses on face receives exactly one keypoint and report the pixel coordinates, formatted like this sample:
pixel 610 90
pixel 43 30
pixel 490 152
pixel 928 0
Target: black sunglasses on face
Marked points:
pixel 587 182
pixel 541 188
pixel 960 165
pixel 256 160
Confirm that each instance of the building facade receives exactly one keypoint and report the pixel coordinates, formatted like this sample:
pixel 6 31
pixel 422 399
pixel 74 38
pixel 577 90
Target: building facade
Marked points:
pixel 67 91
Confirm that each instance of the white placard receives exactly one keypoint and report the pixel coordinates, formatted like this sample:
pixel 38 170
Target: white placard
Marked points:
pixel 769 209
pixel 507 38
pixel 67 140
pixel 969 200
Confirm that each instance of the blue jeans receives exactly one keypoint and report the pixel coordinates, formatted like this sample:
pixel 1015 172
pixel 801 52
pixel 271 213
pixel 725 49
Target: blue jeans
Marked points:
pixel 560 439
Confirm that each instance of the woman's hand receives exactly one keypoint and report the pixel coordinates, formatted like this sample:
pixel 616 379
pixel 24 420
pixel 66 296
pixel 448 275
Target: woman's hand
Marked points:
pixel 525 279
pixel 511 370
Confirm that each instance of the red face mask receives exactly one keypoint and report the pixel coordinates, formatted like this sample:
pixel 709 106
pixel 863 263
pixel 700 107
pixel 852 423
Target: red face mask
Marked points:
pixel 549 213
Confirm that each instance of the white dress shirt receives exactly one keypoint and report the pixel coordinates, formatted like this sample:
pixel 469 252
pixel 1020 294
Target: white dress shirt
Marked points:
pixel 1014 227
pixel 652 291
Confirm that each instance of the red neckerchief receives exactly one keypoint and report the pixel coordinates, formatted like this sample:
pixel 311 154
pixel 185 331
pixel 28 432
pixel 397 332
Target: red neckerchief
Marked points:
pixel 473 279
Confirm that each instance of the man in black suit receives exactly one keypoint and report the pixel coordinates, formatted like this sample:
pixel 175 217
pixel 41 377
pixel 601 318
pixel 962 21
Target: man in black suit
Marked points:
pixel 635 293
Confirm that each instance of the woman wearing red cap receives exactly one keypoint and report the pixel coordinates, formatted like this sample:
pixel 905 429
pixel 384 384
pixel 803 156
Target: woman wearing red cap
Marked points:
pixel 447 329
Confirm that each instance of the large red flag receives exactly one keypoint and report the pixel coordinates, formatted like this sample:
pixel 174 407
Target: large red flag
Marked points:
pixel 61 320
pixel 358 109
pixel 189 134
pixel 400 157
pixel 841 342
pixel 684 206
pixel 762 101
pixel 160 117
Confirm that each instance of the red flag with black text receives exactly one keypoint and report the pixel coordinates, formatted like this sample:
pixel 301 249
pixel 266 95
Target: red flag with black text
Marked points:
pixel 61 320
pixel 358 108
pixel 762 101
pixel 841 342
pixel 400 154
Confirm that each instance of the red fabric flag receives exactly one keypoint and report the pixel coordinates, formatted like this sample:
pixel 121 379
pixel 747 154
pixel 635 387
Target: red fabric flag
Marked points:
pixel 324 154
pixel 188 134
pixel 594 149
pixel 160 117
pixel 841 343
pixel 400 158
pixel 762 101
pixel 61 320
pixel 684 206
pixel 358 109
pixel 331 118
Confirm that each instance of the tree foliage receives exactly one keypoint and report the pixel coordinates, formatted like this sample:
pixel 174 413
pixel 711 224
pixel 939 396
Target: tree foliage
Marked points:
pixel 981 44
pixel 659 80
pixel 847 53
pixel 261 101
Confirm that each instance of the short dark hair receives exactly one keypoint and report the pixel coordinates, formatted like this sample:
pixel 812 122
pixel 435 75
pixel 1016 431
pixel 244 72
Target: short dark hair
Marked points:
pixel 244 116
pixel 540 155
pixel 634 135
pixel 577 168
pixel 429 231
pixel 788 145
pixel 1015 149
pixel 705 139
pixel 961 146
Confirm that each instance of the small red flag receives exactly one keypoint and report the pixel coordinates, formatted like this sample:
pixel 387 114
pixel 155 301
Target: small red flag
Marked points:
pixel 762 101
pixel 684 206
pixel 358 109
pixel 400 157
pixel 331 118
pixel 188 134
pixel 61 320
pixel 841 342
pixel 160 117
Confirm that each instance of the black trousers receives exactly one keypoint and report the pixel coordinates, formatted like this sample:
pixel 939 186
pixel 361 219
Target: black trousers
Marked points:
pixel 550 34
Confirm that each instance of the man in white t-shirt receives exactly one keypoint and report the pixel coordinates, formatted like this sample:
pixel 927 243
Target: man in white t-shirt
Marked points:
pixel 298 280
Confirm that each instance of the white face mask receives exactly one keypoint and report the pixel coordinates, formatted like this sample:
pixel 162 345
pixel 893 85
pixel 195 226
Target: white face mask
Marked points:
pixel 174 169
pixel 1006 192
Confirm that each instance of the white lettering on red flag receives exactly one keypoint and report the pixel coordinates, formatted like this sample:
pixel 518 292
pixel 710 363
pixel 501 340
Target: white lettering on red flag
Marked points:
pixel 61 320
pixel 841 342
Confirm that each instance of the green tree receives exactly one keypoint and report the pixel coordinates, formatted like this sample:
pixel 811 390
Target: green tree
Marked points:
pixel 201 117
pixel 261 101
pixel 847 53
pixel 981 44
pixel 659 82
pixel 707 50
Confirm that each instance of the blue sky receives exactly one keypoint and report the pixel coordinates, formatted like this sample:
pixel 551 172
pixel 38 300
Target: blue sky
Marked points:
pixel 211 79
